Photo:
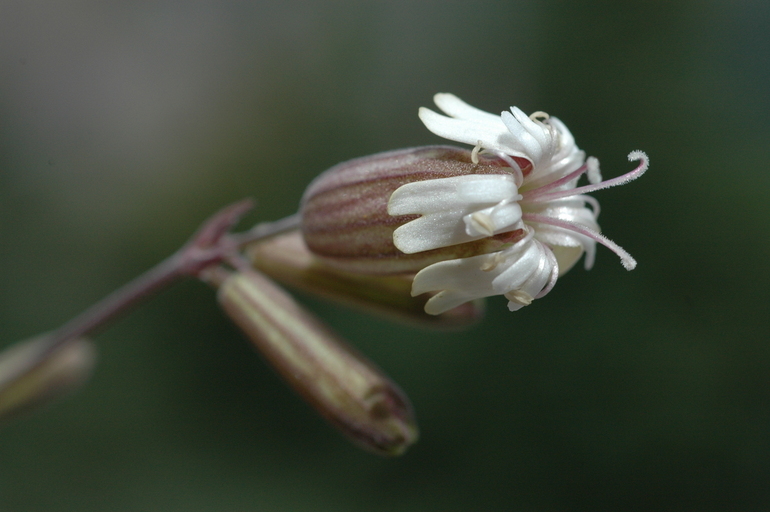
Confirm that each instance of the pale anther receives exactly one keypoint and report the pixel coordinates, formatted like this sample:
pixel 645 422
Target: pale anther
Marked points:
pixel 483 223
pixel 475 153
pixel 493 262
pixel 517 173
pixel 519 297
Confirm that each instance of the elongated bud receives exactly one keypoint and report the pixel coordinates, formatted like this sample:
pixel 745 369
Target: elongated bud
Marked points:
pixel 339 382
pixel 345 219
pixel 287 259
pixel 32 373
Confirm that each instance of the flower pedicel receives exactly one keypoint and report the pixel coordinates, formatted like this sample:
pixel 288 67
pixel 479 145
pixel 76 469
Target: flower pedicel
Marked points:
pixel 506 218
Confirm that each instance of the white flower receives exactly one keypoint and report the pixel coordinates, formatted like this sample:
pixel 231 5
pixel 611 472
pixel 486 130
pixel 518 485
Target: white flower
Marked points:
pixel 538 202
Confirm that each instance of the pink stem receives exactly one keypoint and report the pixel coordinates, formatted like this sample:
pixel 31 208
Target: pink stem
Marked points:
pixel 211 245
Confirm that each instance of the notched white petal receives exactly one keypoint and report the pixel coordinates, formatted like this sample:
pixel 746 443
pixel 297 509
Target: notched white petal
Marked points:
pixel 519 272
pixel 512 133
pixel 446 207
pixel 453 106
pixel 496 219
pixel 492 133
pixel 456 281
pixel 538 141
pixel 529 270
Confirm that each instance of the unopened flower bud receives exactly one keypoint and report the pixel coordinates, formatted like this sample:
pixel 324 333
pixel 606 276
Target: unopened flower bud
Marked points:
pixel 340 383
pixel 33 373
pixel 287 259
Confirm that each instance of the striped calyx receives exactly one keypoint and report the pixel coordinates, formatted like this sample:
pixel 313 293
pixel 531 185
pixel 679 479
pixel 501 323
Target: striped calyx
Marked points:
pixel 345 219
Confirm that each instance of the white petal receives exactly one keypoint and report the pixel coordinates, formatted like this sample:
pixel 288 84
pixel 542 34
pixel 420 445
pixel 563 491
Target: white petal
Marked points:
pixel 431 232
pixel 566 257
pixel 567 245
pixel 566 140
pixel 564 158
pixel 458 281
pixel 536 265
pixel 536 140
pixel 523 270
pixel 493 220
pixel 517 268
pixel 429 196
pixel 453 106
pixel 492 133
pixel 444 203
pixel 542 132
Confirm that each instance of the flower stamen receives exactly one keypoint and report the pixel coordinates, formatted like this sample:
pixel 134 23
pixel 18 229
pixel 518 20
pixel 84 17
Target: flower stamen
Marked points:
pixel 519 297
pixel 493 262
pixel 518 174
pixel 499 257
pixel 482 223
pixel 475 152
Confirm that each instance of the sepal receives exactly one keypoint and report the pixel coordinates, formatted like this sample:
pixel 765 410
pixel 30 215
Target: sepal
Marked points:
pixel 345 219
pixel 287 259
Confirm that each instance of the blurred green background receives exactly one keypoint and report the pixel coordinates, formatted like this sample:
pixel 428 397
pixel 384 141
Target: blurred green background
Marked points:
pixel 124 124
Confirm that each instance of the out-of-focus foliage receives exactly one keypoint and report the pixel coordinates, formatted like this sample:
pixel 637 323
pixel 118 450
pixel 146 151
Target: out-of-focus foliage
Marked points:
pixel 125 124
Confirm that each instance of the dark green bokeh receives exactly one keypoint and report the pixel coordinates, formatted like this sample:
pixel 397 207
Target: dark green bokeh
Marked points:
pixel 123 127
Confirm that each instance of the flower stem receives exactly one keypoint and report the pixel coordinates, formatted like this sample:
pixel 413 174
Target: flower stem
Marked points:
pixel 121 300
pixel 211 245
